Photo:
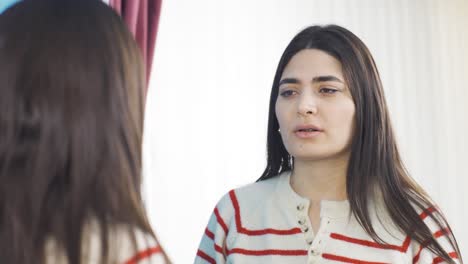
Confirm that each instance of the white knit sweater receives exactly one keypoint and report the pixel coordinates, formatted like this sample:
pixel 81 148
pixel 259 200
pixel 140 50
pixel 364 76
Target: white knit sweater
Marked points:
pixel 267 222
pixel 121 248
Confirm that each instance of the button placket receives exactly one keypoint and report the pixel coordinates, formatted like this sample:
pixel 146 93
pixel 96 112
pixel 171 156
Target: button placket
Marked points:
pixel 300 207
pixel 303 222
pixel 315 249
pixel 314 256
pixel 314 252
pixel 317 245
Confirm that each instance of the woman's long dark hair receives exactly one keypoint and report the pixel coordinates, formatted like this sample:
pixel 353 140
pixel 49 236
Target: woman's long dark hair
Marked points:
pixel 375 160
pixel 71 121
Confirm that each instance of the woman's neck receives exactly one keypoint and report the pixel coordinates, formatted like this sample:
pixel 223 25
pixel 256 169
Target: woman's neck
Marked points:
pixel 320 179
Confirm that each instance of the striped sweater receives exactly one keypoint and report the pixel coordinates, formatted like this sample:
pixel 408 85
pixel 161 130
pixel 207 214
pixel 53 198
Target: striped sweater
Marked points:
pixel 267 222
pixel 121 248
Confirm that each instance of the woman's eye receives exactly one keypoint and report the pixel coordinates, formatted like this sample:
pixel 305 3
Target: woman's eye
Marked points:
pixel 328 90
pixel 287 93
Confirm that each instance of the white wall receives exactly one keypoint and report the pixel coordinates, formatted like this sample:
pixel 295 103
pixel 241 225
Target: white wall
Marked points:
pixel 214 65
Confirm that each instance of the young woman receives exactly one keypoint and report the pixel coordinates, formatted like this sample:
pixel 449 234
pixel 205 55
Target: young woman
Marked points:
pixel 335 189
pixel 71 120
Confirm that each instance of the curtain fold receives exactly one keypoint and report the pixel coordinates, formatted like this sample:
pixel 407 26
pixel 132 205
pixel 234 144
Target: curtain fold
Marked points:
pixel 142 18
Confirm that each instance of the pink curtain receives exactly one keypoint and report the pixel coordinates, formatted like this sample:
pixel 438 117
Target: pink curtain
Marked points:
pixel 142 17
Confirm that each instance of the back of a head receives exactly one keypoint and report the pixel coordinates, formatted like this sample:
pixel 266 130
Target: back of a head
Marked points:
pixel 71 120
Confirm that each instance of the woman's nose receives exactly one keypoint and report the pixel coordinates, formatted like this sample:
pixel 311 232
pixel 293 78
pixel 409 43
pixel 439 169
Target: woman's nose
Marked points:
pixel 307 105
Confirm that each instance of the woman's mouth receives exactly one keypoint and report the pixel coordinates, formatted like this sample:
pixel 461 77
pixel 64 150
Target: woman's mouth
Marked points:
pixel 307 131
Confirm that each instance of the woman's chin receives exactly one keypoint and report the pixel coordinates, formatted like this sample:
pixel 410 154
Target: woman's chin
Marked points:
pixel 311 156
pixel 316 155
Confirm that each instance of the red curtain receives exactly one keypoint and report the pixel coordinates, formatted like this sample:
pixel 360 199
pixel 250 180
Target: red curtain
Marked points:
pixel 142 17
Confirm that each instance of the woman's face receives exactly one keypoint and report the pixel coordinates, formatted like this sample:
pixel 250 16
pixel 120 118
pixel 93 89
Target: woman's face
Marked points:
pixel 314 107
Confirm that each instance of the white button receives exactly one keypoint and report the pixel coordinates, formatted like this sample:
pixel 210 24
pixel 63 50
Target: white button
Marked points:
pixel 301 221
pixel 309 241
pixel 305 228
pixel 314 252
pixel 300 207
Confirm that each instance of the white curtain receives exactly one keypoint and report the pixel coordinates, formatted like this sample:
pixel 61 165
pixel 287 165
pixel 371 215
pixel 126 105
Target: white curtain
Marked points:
pixel 207 105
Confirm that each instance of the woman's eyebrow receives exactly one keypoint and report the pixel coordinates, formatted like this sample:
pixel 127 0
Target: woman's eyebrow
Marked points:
pixel 324 78
pixel 289 80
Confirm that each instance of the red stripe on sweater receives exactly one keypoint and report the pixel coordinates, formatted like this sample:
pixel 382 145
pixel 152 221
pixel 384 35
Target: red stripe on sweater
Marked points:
pixel 218 249
pixel 439 259
pixel 221 221
pixel 143 254
pixel 280 252
pixel 348 260
pixel 209 234
pixel 243 230
pixel 441 232
pixel 212 237
pixel 205 256
pixel 403 248
pixel 427 212
pixel 437 234
pixel 373 244
pixel 416 257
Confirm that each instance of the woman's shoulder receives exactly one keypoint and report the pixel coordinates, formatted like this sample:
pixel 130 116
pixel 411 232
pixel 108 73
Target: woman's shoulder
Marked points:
pixel 432 217
pixel 133 245
pixel 248 201
pixel 126 244
pixel 250 195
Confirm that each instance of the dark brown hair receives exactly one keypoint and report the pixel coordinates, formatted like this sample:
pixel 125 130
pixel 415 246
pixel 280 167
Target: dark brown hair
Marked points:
pixel 71 121
pixel 375 162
